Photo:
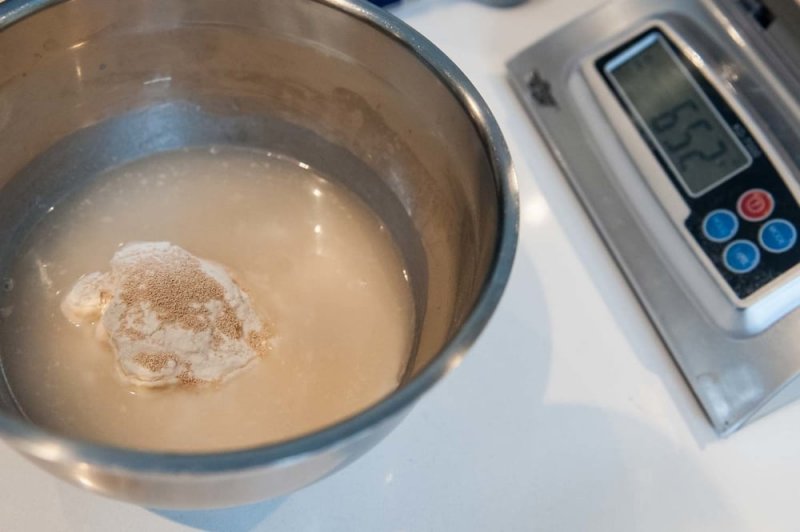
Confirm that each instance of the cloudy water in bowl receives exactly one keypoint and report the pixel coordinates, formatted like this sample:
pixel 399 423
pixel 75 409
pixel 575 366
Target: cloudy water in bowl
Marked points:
pixel 318 265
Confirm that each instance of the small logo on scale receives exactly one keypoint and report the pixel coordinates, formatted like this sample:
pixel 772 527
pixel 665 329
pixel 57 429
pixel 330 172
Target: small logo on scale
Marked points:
pixel 541 90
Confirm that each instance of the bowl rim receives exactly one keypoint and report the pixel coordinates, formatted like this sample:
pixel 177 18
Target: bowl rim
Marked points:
pixel 49 446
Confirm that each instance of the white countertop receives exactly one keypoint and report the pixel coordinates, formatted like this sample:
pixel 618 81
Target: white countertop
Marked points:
pixel 567 415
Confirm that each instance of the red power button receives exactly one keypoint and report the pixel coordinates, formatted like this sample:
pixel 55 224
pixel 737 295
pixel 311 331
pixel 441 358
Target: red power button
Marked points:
pixel 755 205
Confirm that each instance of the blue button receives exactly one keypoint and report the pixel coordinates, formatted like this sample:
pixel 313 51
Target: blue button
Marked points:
pixel 741 256
pixel 777 236
pixel 720 225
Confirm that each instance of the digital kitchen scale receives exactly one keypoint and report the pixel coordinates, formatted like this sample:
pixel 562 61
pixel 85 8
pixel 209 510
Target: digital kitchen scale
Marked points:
pixel 678 124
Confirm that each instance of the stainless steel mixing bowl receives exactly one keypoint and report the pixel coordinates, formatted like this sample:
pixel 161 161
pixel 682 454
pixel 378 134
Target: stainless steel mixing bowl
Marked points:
pixel 339 84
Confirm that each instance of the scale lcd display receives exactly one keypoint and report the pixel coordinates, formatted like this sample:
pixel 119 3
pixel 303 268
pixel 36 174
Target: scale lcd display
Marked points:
pixel 697 144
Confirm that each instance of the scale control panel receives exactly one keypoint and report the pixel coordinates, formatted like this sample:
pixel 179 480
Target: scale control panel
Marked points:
pixel 742 215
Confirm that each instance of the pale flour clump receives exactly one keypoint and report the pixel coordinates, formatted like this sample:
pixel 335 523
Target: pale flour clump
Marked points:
pixel 170 317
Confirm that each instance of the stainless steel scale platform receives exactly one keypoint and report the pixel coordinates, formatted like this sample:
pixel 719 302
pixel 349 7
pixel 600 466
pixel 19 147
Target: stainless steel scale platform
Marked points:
pixel 678 124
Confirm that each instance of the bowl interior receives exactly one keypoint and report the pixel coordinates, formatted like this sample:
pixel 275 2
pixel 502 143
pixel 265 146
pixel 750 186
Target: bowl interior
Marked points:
pixel 96 83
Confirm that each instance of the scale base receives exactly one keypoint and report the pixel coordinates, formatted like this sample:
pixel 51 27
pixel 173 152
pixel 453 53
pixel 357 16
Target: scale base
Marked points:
pixel 737 376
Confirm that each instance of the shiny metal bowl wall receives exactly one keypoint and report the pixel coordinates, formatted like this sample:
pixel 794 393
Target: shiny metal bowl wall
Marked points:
pixel 86 84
